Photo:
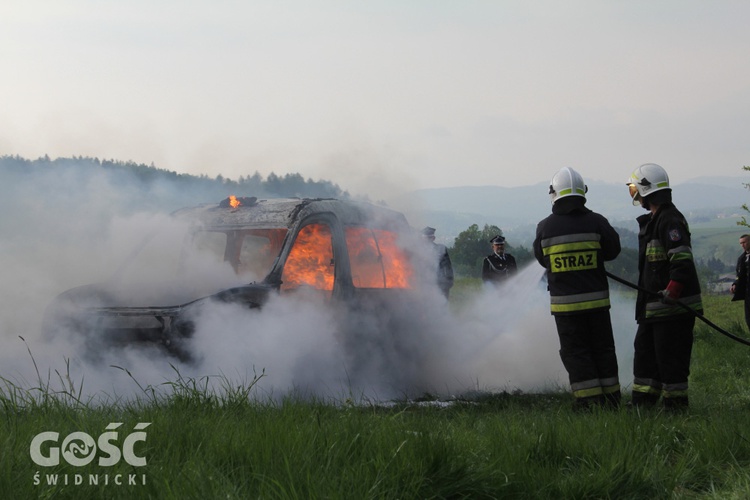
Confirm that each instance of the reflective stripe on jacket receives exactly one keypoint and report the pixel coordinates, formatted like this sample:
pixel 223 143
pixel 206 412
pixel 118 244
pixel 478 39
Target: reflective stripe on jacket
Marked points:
pixel 664 254
pixel 572 245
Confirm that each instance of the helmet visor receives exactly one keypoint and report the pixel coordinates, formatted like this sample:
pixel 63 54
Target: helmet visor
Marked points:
pixel 634 194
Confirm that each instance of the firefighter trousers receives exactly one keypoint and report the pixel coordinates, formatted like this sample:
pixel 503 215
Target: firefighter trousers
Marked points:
pixel 661 363
pixel 587 350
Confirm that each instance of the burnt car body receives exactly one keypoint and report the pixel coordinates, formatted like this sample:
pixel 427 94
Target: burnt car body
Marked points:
pixel 353 252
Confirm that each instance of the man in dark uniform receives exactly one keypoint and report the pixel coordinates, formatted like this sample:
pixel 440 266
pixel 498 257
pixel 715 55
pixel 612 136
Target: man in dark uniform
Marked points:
pixel 739 287
pixel 499 265
pixel 572 244
pixel 442 261
pixel 664 340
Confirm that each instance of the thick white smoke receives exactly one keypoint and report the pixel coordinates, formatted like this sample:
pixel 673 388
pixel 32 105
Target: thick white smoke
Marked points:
pixel 498 339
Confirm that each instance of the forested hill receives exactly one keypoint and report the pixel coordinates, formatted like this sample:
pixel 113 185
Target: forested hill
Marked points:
pixel 145 186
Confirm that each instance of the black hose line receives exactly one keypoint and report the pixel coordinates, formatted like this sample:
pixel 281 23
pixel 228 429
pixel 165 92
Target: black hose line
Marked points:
pixel 684 306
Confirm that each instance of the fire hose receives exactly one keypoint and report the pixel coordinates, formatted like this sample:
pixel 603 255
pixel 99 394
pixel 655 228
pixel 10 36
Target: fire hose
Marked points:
pixel 684 306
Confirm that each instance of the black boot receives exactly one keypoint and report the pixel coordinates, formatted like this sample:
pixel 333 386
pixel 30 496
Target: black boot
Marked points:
pixel 587 404
pixel 612 401
pixel 644 399
pixel 677 404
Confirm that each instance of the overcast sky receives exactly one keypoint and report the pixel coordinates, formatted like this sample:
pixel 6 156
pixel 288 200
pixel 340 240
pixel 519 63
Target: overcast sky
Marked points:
pixel 383 95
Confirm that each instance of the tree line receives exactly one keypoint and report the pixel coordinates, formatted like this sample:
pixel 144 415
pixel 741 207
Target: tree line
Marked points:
pixel 273 185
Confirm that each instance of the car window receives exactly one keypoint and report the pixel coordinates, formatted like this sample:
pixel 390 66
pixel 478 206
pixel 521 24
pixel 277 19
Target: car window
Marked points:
pixel 376 259
pixel 174 265
pixel 310 261
pixel 250 252
pixel 257 250
pixel 210 244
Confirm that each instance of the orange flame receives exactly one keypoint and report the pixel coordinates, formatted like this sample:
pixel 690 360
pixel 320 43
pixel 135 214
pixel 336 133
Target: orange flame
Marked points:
pixel 310 261
pixel 376 259
pixel 233 201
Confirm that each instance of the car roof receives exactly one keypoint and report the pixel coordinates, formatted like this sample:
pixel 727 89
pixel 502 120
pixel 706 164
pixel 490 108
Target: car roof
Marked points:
pixel 285 212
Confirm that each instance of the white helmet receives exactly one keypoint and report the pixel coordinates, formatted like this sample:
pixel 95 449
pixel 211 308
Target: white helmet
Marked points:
pixel 567 182
pixel 647 179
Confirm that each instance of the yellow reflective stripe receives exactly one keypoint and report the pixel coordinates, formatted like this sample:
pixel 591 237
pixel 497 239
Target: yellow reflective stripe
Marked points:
pixel 659 310
pixel 579 297
pixel 655 251
pixel 681 256
pixel 595 387
pixel 585 384
pixel 571 247
pixel 681 249
pixel 567 191
pixel 646 389
pixel 611 389
pixel 678 257
pixel 570 238
pixel 610 385
pixel 690 300
pixel 579 306
pixel 587 393
pixel 655 254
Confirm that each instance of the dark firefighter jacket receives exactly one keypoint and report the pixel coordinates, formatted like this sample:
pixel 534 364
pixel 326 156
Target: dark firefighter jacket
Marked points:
pixel 664 254
pixel 572 244
pixel 740 284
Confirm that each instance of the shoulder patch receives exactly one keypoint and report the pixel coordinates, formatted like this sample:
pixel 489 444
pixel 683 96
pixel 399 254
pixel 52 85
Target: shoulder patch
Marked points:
pixel 674 235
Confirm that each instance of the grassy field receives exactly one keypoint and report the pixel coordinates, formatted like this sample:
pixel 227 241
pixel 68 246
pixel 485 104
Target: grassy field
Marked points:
pixel 221 444
pixel 718 240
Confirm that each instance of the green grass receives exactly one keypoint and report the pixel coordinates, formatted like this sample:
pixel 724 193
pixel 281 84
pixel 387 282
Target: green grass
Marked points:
pixel 718 239
pixel 220 443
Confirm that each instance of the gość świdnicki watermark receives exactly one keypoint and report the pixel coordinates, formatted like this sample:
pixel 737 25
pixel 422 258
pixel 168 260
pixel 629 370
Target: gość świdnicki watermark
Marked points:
pixel 80 449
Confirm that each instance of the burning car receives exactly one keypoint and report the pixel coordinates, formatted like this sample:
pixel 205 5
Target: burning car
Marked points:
pixel 241 250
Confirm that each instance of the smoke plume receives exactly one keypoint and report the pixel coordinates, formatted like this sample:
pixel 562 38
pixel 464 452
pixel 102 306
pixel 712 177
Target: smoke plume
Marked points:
pixel 71 230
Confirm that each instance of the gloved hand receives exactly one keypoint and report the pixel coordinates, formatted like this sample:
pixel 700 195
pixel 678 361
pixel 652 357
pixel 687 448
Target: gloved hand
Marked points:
pixel 665 298
pixel 670 294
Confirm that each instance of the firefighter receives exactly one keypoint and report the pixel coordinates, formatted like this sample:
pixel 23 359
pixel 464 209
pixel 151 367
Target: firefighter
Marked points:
pixel 572 244
pixel 499 265
pixel 664 339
